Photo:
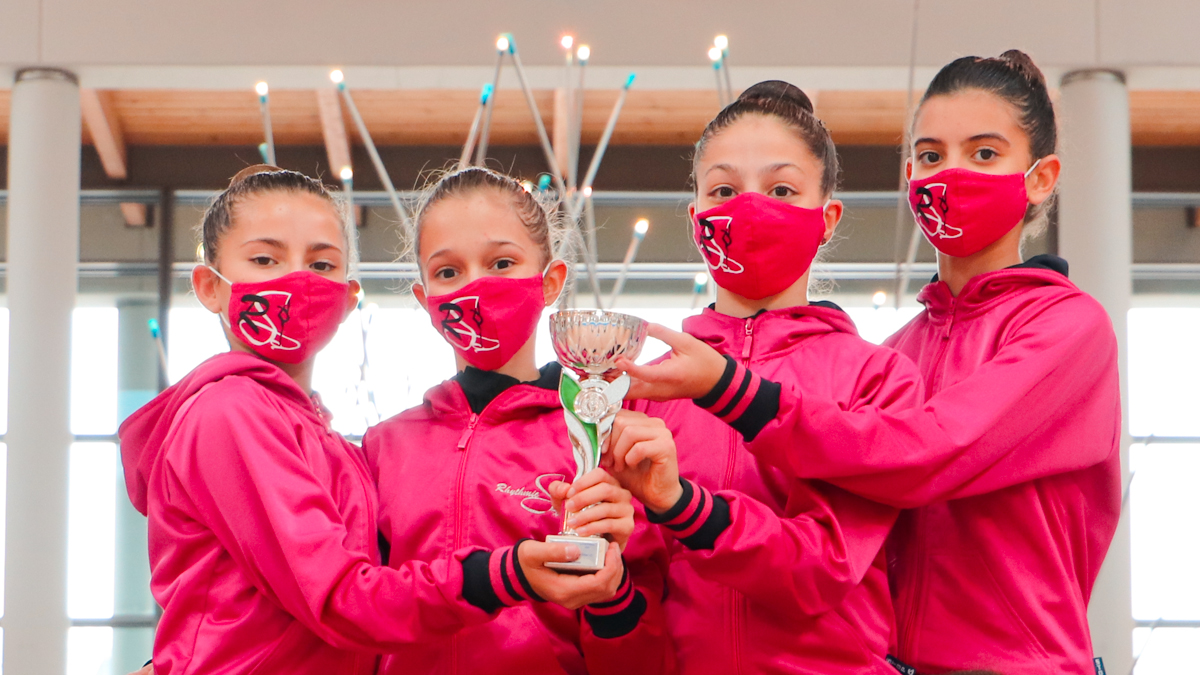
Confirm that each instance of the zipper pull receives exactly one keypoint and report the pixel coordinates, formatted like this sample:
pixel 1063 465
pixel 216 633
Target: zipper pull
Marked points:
pixel 749 340
pixel 466 434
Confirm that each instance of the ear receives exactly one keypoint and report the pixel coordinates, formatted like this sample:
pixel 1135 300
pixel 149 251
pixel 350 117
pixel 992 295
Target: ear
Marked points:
pixel 418 291
pixel 833 216
pixel 908 169
pixel 1039 184
pixel 207 287
pixel 554 281
pixel 692 211
pixel 352 297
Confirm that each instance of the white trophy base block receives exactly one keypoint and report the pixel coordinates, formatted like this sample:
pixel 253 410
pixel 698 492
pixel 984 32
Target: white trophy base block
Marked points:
pixel 592 551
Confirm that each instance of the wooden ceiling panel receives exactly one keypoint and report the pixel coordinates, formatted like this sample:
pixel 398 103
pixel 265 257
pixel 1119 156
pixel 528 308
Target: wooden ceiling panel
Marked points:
pixel 1165 117
pixel 437 117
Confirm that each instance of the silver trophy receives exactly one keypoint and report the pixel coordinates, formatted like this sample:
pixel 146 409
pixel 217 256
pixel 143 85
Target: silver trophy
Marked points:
pixel 588 342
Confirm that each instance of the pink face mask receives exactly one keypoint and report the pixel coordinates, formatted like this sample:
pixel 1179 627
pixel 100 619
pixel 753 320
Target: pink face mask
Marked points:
pixel 756 246
pixel 489 319
pixel 963 212
pixel 288 319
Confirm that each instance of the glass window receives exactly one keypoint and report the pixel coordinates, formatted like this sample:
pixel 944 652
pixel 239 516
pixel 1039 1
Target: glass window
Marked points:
pixel 1165 526
pixel 91 530
pixel 1165 651
pixel 94 370
pixel 1164 371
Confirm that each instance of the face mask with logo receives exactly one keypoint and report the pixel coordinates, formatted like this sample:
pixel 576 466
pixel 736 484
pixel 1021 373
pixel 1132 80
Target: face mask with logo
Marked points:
pixel 963 212
pixel 756 246
pixel 489 319
pixel 287 319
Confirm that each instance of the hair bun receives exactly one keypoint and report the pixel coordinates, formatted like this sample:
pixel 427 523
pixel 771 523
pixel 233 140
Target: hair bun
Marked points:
pixel 1023 64
pixel 252 171
pixel 778 91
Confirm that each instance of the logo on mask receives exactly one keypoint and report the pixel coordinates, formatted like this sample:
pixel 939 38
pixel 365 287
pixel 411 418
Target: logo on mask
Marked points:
pixel 257 321
pixel 462 322
pixel 536 502
pixel 931 209
pixel 713 245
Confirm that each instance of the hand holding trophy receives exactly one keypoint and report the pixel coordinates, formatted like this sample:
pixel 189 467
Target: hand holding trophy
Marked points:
pixel 588 344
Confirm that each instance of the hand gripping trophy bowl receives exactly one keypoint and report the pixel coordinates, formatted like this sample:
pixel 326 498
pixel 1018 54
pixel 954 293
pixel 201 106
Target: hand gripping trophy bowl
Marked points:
pixel 588 342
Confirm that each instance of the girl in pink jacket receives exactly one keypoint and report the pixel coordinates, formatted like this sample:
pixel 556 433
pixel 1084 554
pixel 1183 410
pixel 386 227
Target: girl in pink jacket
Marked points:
pixel 262 520
pixel 1011 467
pixel 769 573
pixel 481 462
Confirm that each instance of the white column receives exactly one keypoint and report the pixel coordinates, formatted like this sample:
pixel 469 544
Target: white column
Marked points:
pixel 1096 237
pixel 43 253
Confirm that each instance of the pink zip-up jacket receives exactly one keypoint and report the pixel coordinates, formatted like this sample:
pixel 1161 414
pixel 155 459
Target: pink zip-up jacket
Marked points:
pixel 771 573
pixel 1013 460
pixel 263 539
pixel 455 473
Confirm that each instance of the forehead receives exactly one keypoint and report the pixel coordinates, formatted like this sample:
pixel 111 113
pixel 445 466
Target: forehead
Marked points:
pixel 754 141
pixel 962 115
pixel 479 216
pixel 283 215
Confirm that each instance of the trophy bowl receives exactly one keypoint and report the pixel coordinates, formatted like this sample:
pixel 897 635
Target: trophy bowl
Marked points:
pixel 588 341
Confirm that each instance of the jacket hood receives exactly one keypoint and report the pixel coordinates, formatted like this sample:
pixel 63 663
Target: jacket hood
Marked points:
pixel 142 434
pixel 983 290
pixel 774 330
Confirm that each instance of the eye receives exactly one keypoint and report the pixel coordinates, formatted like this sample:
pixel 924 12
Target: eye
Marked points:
pixel 782 191
pixel 504 263
pixel 986 154
pixel 261 260
pixel 323 266
pixel 445 273
pixel 928 157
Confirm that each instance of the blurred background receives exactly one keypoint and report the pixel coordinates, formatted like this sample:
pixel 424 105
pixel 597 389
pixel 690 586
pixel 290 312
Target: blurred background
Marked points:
pixel 120 120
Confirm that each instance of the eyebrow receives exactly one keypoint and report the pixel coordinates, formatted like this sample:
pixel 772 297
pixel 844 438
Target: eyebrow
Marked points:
pixel 722 167
pixel 275 243
pixel 324 246
pixel 493 243
pixel 781 165
pixel 991 135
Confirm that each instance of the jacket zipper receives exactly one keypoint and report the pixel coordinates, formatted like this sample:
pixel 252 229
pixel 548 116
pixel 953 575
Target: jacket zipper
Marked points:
pixel 464 442
pixel 908 651
pixel 735 598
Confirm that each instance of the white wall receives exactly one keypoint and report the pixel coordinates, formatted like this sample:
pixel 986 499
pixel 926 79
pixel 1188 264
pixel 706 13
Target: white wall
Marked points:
pixel 92 36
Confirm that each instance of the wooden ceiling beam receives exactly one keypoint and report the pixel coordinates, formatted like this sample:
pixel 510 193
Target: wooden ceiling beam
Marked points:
pixel 104 126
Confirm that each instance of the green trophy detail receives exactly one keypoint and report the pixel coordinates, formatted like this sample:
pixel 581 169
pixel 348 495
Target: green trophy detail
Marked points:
pixel 588 438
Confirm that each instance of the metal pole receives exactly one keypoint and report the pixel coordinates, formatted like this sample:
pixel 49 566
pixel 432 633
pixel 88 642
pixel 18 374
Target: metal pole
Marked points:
pixel 43 258
pixel 264 107
pixel 465 159
pixel 547 149
pixel 1095 233
pixel 375 159
pixel 166 284
pixel 585 189
pixel 485 135
pixel 137 383
pixel 903 270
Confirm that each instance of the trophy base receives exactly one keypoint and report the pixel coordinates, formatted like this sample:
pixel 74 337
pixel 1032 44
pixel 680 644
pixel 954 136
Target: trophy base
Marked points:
pixel 592 551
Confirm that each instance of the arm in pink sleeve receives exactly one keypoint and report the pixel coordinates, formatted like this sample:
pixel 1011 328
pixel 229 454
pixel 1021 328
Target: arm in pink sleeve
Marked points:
pixel 245 475
pixel 1047 403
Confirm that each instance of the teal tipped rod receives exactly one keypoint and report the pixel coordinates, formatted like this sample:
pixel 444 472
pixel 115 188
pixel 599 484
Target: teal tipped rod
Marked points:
pixel 263 152
pixel 469 146
pixel 547 149
pixel 339 80
pixel 156 334
pixel 585 189
pixel 264 107
pixel 503 45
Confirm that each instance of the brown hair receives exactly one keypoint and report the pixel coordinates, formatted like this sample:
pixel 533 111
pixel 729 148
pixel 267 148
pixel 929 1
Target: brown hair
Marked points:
pixel 539 218
pixel 1015 79
pixel 787 103
pixel 261 179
